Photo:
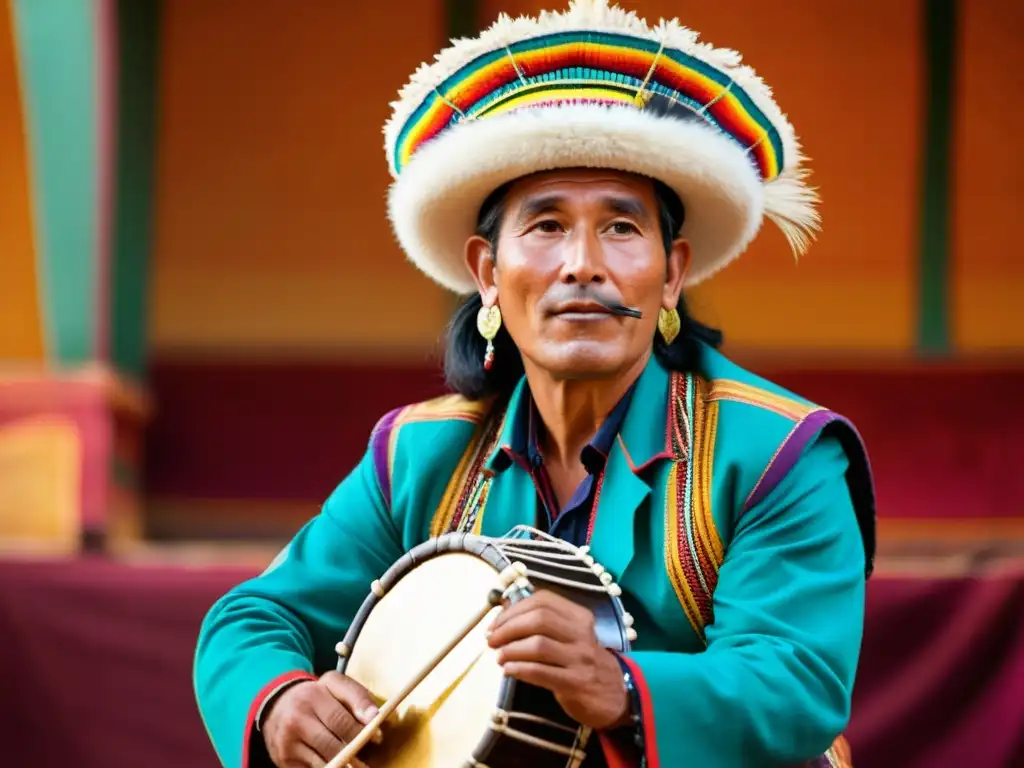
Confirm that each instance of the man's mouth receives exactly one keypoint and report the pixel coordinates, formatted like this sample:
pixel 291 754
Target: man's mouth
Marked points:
pixel 581 310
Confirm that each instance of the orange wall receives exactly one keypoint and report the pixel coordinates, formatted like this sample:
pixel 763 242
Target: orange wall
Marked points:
pixel 271 229
pixel 988 259
pixel 848 75
pixel 21 336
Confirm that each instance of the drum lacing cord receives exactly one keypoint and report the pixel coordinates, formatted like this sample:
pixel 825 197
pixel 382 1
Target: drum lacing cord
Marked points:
pixel 542 538
pixel 607 585
pixel 510 543
pixel 534 557
pixel 499 724
pixel 539 548
pixel 547 543
pixel 610 588
pixel 521 548
pixel 547 553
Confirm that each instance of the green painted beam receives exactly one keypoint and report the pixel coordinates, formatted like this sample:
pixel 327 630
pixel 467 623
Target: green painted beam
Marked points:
pixel 461 18
pixel 56 43
pixel 137 88
pixel 933 322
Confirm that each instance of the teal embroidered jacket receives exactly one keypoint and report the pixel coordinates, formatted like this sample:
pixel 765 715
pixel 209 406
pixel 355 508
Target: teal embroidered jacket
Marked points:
pixel 737 517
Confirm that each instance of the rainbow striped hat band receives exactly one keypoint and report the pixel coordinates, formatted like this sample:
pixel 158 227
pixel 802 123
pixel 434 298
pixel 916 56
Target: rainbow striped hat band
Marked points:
pixel 594 86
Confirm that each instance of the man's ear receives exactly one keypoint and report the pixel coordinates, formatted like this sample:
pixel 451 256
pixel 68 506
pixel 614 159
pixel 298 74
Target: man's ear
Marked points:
pixel 679 259
pixel 480 260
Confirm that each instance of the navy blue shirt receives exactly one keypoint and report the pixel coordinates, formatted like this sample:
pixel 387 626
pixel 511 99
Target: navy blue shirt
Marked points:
pixel 573 522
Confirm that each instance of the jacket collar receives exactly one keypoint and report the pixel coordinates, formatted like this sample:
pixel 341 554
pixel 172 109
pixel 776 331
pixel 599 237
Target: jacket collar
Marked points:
pixel 645 438
pixel 646 433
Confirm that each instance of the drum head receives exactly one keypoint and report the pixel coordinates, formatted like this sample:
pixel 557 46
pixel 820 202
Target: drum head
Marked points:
pixel 444 719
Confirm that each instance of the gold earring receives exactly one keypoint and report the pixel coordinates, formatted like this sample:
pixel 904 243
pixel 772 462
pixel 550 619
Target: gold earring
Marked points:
pixel 488 321
pixel 668 324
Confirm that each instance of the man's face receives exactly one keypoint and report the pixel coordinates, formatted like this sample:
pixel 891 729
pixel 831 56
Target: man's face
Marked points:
pixel 566 237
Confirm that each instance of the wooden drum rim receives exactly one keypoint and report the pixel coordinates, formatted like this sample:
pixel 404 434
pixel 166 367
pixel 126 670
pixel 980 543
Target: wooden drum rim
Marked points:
pixel 488 550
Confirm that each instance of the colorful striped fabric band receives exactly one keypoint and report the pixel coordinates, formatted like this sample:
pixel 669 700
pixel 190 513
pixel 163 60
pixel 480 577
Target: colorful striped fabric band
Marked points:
pixel 593 67
pixel 693 547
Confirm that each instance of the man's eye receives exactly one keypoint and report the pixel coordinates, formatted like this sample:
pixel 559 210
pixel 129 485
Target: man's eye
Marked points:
pixel 624 228
pixel 549 226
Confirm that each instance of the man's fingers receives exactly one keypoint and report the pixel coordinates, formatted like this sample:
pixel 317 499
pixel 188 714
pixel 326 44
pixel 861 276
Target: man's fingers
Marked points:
pixel 564 605
pixel 336 717
pixel 537 648
pixel 569 615
pixel 352 695
pixel 554 679
pixel 323 744
pixel 305 757
pixel 539 620
pixel 316 735
pixel 308 726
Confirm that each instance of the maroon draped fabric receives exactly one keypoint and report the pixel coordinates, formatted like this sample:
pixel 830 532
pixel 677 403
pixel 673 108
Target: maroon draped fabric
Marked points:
pixel 96 657
pixel 941 680
pixel 208 443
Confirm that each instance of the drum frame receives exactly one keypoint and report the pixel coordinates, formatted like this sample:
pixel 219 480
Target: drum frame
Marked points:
pixel 511 550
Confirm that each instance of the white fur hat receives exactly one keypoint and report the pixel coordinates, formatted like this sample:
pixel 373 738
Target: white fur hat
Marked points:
pixel 596 87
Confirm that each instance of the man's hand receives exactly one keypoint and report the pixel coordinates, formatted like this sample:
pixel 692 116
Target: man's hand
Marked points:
pixel 549 641
pixel 309 723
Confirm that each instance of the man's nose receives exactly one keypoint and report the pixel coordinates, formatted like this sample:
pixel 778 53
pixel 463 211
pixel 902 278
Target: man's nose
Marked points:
pixel 584 259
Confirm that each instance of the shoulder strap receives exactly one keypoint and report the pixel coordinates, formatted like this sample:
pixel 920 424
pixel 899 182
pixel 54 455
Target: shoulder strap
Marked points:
pixel 384 436
pixel 462 506
pixel 693 548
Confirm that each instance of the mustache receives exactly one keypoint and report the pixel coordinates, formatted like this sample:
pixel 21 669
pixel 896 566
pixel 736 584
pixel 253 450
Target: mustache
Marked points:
pixel 610 303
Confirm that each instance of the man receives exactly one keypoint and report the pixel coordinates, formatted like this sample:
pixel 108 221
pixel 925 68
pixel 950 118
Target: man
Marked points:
pixel 552 169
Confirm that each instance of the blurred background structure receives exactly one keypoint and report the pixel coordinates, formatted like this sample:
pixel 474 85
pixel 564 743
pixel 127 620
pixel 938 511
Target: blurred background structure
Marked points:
pixel 203 312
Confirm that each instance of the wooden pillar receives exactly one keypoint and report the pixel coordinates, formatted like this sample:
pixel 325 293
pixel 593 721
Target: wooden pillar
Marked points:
pixel 76 79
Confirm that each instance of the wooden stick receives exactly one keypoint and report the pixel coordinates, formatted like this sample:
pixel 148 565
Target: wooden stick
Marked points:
pixel 342 759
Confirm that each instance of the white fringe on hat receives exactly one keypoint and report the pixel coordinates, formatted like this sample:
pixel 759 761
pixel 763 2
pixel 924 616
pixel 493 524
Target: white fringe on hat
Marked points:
pixel 435 198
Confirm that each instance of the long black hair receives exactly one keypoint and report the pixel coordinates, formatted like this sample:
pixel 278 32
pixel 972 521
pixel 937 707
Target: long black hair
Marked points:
pixel 464 346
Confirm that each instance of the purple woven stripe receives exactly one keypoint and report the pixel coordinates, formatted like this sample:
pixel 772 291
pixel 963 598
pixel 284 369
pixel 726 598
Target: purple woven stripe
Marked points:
pixel 858 477
pixel 820 762
pixel 380 441
pixel 787 456
pixel 798 439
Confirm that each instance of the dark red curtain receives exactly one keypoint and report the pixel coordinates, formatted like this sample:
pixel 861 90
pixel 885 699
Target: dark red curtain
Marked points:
pixel 96 668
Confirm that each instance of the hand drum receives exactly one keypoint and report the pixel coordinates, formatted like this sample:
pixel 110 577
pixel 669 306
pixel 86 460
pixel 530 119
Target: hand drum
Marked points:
pixel 464 711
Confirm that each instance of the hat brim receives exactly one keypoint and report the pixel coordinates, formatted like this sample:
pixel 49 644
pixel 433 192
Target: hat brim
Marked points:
pixel 434 203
